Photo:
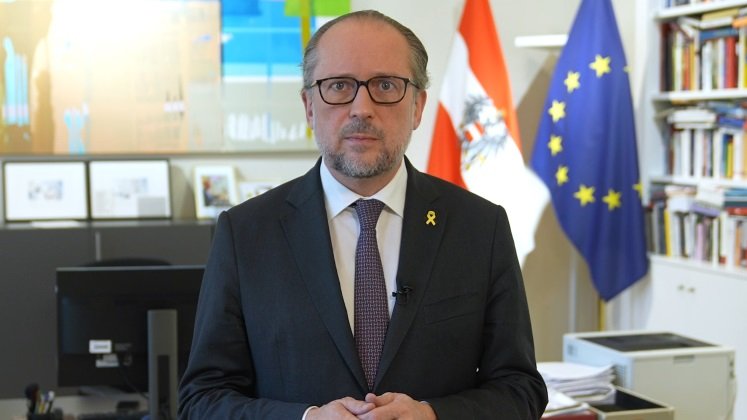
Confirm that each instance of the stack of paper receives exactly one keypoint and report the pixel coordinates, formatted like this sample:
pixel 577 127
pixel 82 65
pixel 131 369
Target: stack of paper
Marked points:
pixel 559 403
pixel 581 382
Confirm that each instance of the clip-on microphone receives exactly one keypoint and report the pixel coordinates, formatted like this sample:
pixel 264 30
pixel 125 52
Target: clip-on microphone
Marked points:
pixel 402 294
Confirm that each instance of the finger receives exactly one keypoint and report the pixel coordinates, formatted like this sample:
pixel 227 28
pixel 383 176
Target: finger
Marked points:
pixel 343 409
pixel 356 407
pixel 383 399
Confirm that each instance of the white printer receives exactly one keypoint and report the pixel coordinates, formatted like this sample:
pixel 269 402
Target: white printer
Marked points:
pixel 695 377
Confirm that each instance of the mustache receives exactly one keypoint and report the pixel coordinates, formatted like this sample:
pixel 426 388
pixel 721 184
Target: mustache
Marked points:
pixel 358 126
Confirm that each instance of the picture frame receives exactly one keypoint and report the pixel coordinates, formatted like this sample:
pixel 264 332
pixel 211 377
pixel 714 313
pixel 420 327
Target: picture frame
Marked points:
pixel 251 189
pixel 130 189
pixel 36 191
pixel 215 190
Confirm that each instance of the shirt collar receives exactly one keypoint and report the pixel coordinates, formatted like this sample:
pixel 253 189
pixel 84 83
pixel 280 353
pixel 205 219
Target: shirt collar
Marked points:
pixel 338 197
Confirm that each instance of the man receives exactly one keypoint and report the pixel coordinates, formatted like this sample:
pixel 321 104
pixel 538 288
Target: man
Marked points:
pixel 277 330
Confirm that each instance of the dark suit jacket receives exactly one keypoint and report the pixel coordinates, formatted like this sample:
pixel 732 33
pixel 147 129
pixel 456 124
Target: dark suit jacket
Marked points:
pixel 272 335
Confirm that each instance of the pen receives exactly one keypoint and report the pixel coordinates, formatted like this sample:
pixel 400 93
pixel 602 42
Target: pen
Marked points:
pixel 32 395
pixel 50 401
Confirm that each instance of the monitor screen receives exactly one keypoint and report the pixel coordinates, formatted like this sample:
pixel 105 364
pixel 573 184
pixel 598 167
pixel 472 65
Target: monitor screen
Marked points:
pixel 102 327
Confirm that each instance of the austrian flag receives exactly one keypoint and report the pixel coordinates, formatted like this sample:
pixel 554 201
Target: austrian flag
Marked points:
pixel 476 140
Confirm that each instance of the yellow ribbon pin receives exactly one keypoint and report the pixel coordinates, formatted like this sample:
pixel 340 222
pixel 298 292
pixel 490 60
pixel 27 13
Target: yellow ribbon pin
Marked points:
pixel 431 218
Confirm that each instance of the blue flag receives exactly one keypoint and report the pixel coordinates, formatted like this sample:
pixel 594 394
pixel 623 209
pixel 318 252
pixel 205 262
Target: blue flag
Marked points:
pixel 585 151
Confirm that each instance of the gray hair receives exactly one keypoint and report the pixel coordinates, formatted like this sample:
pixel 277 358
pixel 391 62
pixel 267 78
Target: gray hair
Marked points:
pixel 418 55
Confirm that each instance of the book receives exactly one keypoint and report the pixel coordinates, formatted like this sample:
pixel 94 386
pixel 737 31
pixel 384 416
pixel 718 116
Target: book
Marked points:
pixel 710 195
pixel 739 22
pixel 683 153
pixel 706 72
pixel 730 61
pixel 680 198
pixel 738 156
pixel 725 32
pixel 735 197
pixel 691 115
pixel 731 122
pixel 736 211
pixel 718 18
pixel 741 56
pixel 705 209
pixel 690 26
pixel 726 238
pixel 701 140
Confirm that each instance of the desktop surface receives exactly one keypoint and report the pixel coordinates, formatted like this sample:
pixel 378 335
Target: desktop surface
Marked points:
pixel 75 406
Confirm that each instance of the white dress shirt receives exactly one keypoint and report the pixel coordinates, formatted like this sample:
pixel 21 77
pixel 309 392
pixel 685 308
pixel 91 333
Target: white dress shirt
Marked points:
pixel 344 228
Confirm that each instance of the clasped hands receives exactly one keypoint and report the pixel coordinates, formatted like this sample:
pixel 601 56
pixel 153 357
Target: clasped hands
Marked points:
pixel 387 406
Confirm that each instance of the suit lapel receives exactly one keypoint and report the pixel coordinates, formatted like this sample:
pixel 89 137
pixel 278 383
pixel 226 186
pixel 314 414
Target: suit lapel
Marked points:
pixel 422 229
pixel 307 232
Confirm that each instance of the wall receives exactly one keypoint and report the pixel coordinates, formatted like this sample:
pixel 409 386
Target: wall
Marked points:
pixel 556 305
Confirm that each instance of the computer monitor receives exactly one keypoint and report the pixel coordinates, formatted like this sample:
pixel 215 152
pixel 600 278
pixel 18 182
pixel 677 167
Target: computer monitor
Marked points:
pixel 102 321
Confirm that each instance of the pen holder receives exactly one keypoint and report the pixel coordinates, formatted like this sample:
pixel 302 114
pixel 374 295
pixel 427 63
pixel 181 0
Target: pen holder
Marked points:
pixel 55 415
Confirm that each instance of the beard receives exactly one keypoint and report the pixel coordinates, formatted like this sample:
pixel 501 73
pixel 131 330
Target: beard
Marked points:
pixel 386 160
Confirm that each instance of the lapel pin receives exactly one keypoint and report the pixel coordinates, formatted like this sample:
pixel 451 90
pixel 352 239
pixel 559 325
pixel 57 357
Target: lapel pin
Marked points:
pixel 431 218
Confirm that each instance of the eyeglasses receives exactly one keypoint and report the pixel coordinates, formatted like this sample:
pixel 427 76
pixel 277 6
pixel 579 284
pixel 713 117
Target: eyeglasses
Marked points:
pixel 384 90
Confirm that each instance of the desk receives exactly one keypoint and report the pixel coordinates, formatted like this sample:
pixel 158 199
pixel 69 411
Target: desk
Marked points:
pixel 15 408
pixel 29 257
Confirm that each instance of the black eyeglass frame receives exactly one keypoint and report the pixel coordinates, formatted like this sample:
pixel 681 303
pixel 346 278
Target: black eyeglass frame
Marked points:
pixel 359 83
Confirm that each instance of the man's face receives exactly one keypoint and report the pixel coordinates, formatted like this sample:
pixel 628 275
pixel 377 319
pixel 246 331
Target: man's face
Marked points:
pixel 363 139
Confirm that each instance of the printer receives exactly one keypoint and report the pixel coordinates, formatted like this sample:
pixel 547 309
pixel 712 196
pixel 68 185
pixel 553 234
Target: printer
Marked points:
pixel 694 377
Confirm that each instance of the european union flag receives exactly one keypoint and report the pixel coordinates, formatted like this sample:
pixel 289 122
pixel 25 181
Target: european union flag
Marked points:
pixel 585 151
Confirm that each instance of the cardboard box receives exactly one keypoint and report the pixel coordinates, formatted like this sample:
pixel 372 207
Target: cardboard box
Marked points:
pixel 631 406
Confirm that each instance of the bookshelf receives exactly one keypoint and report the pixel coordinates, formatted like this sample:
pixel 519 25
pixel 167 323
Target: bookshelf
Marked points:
pixel 696 96
pixel 694 8
pixel 698 294
pixel 554 41
pixel 685 113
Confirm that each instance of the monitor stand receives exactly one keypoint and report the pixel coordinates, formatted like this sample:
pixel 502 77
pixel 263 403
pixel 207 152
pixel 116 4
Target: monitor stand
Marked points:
pixel 162 363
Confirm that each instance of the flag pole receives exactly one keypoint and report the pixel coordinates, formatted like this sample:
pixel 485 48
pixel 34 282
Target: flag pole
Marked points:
pixel 572 289
pixel 306 12
pixel 573 298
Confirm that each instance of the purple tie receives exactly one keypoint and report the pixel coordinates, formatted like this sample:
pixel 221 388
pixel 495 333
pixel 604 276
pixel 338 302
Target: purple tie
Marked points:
pixel 371 310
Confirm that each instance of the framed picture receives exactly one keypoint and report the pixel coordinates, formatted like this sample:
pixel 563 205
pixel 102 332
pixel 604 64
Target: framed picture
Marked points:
pixel 45 191
pixel 215 190
pixel 130 189
pixel 249 190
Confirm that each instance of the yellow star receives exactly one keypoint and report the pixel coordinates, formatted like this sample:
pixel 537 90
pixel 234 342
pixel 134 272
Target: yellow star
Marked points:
pixel 572 81
pixel 557 110
pixel 612 199
pixel 555 144
pixel 561 176
pixel 585 194
pixel 601 65
pixel 639 187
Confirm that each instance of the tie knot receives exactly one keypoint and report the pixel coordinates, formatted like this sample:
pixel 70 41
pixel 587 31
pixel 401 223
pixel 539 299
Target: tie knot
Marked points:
pixel 368 212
